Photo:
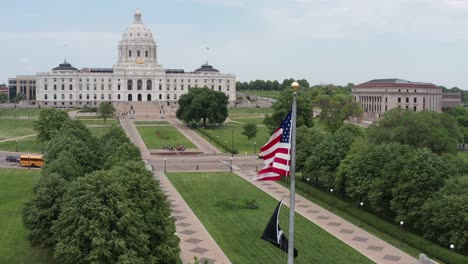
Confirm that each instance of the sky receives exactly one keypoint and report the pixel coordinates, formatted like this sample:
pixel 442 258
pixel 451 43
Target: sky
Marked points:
pixel 323 41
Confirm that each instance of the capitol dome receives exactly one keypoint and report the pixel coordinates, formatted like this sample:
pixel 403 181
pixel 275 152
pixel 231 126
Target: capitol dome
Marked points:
pixel 137 43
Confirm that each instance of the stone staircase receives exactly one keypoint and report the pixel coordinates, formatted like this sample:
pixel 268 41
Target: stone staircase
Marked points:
pixel 142 110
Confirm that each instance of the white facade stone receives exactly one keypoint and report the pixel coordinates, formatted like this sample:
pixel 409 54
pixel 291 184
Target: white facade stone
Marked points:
pixel 136 76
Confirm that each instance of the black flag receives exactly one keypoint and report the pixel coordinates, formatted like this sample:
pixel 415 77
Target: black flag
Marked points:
pixel 274 234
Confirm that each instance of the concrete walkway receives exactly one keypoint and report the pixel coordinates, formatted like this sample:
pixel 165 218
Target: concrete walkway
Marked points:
pixel 191 135
pixel 367 244
pixel 16 138
pixel 194 238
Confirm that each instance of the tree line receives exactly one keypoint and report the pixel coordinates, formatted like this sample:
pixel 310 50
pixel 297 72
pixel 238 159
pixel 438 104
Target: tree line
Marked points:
pixel 95 201
pixel 405 167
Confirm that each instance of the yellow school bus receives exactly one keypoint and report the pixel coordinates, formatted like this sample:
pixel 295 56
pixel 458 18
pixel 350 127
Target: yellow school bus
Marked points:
pixel 31 161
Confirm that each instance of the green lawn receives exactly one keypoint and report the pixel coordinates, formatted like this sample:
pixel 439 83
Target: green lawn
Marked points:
pixel 238 231
pixel 10 128
pixel 100 122
pixel 256 120
pixel 249 112
pixel 20 112
pixel 88 117
pixel 241 142
pixel 269 94
pixel 15 189
pixel 157 136
pixel 151 123
pixel 99 131
pixel 464 155
pixel 29 144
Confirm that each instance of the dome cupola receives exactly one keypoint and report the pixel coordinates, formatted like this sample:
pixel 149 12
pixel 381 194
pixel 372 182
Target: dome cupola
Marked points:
pixel 137 44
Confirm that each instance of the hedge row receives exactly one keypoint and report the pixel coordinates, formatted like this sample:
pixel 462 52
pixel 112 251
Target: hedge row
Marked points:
pixel 425 246
pixel 220 143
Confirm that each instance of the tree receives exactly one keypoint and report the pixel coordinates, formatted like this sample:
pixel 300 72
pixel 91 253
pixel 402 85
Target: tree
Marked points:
pixel 106 110
pixel 42 211
pixel 283 106
pixel 250 130
pixel 444 216
pixel 3 98
pixel 421 175
pixel 436 131
pixel 336 107
pixel 116 223
pixel 50 121
pixel 203 104
pixel 309 139
pixel 362 173
pixel 327 155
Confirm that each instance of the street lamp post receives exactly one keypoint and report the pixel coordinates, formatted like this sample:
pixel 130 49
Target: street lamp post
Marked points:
pixel 217 141
pixel 232 143
pixel 231 164
pixel 256 163
pixel 308 183
pixel 401 231
pixel 16 145
pixel 333 201
pixel 452 247
pixel 165 160
pixel 255 147
pixel 361 204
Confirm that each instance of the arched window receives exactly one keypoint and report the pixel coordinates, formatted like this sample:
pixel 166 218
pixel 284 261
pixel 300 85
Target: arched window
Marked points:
pixel 138 53
pixel 175 96
pixel 130 53
pixel 118 96
pixel 110 97
pixel 149 84
pixel 87 96
pixel 129 97
pixel 45 96
pixel 160 96
pixel 71 96
pixel 129 84
pixel 63 97
pixel 139 84
pixel 81 96
pixel 95 96
pixel 148 98
pixel 102 96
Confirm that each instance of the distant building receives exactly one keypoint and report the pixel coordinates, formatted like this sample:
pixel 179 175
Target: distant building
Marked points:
pixel 137 76
pixel 379 96
pixel 4 90
pixel 24 85
pixel 451 100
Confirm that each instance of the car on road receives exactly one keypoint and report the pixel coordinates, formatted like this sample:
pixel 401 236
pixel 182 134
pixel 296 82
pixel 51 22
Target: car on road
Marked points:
pixel 12 158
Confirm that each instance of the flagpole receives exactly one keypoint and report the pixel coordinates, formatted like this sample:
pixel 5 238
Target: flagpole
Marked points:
pixel 292 199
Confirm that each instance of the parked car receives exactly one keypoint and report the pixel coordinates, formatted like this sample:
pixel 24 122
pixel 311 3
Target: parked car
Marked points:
pixel 12 158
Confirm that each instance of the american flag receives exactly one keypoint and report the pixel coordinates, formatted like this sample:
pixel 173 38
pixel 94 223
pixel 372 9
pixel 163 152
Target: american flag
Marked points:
pixel 276 153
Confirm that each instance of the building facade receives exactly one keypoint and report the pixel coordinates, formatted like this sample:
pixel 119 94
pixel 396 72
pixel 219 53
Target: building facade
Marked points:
pixel 4 90
pixel 137 76
pixel 381 95
pixel 23 86
pixel 451 100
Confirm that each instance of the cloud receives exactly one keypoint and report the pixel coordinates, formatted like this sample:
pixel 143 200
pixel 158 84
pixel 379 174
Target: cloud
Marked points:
pixel 339 19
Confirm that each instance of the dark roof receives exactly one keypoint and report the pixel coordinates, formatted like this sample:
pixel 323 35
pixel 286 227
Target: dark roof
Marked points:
pixel 101 70
pixel 174 71
pixel 206 68
pixel 396 83
pixel 65 66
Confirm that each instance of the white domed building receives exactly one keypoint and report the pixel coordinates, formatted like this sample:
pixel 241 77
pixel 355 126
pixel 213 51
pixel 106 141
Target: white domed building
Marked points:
pixel 137 76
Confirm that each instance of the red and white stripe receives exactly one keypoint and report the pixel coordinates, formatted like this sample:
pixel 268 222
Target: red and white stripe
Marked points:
pixel 276 156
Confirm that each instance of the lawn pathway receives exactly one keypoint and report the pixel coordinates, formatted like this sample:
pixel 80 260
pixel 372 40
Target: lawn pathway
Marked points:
pixel 194 238
pixel 16 138
pixel 370 246
pixel 191 135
